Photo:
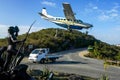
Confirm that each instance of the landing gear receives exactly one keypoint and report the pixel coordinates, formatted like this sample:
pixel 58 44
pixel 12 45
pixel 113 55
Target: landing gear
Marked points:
pixel 86 32
pixel 70 30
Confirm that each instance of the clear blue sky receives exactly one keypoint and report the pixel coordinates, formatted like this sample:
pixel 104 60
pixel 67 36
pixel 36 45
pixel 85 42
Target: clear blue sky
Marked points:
pixel 103 14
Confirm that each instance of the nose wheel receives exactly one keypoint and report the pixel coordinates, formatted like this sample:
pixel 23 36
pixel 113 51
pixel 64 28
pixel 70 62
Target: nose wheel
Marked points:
pixel 70 30
pixel 86 32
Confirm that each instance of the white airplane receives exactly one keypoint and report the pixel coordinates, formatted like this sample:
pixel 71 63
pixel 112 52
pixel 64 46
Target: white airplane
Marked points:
pixel 69 22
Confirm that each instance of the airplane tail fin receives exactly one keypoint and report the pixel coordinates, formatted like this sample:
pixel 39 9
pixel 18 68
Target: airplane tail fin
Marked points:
pixel 44 14
pixel 44 11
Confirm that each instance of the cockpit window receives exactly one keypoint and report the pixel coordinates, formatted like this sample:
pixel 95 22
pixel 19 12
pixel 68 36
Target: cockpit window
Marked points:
pixel 79 21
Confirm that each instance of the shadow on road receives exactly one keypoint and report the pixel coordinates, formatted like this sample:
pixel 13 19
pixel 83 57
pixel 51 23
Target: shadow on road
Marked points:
pixel 70 51
pixel 66 62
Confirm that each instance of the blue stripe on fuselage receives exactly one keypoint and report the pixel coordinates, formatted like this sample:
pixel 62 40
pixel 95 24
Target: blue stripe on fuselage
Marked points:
pixel 71 26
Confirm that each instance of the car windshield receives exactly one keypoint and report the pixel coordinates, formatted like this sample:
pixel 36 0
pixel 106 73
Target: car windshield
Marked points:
pixel 35 51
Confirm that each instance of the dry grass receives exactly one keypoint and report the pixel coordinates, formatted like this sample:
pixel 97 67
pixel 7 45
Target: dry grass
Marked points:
pixel 39 75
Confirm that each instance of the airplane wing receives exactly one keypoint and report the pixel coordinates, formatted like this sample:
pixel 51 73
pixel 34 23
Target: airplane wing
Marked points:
pixel 68 12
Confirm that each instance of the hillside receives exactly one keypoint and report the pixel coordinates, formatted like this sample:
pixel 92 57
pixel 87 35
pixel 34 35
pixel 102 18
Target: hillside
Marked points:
pixel 63 41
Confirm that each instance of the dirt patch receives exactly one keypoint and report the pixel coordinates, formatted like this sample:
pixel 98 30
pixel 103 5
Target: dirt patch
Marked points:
pixel 83 53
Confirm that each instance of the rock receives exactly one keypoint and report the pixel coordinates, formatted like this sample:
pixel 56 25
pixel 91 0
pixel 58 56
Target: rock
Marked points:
pixel 75 77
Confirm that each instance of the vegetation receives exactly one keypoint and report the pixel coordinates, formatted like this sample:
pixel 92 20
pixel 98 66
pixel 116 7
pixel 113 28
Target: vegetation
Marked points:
pixel 3 42
pixel 104 51
pixel 46 72
pixel 63 40
pixel 104 77
pixel 39 75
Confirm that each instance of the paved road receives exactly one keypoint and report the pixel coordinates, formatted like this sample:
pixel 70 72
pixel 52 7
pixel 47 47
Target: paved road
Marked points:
pixel 71 62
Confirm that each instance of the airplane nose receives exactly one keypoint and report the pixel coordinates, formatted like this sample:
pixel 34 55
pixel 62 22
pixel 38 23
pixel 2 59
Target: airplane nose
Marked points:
pixel 91 25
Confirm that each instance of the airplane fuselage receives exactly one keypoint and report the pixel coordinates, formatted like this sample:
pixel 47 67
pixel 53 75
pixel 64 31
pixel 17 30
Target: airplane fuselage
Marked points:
pixel 76 24
pixel 63 22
